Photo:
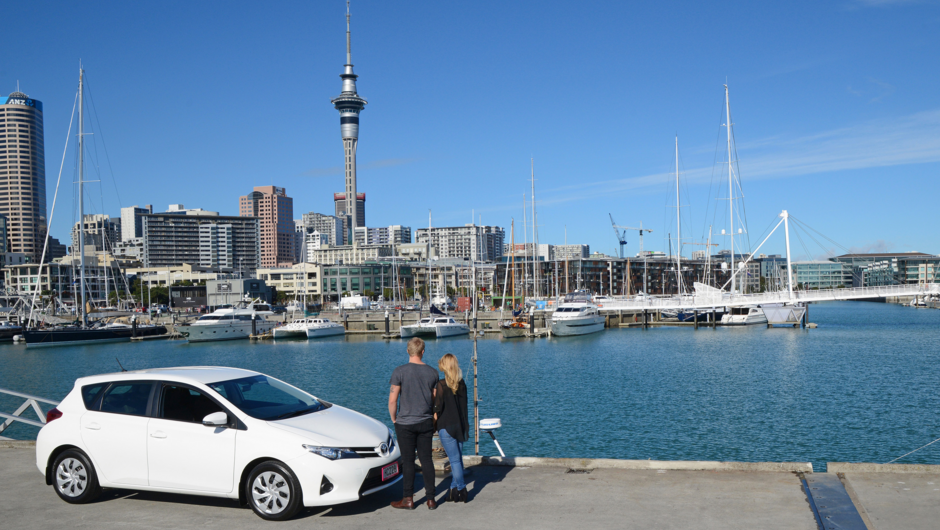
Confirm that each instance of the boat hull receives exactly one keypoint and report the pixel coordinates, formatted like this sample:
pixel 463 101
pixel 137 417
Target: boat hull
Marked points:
pixel 232 330
pixel 62 337
pixel 415 330
pixel 578 326
pixel 451 330
pixel 743 320
pixel 281 333
pixel 332 331
pixel 509 332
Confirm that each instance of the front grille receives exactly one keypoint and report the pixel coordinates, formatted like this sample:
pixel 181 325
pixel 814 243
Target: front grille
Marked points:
pixel 374 478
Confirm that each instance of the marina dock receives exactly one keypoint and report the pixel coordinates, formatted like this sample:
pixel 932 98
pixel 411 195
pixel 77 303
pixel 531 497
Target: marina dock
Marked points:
pixel 537 493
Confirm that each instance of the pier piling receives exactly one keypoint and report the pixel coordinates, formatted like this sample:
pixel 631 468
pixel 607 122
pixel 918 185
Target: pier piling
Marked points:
pixel 695 318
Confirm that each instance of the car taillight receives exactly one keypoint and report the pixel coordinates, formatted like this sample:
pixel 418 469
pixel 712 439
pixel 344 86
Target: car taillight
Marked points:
pixel 53 414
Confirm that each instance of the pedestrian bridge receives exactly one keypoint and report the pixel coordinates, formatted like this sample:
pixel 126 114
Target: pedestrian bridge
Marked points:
pixel 706 297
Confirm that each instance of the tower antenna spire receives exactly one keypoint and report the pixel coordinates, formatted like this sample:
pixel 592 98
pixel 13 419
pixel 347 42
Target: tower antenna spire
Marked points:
pixel 348 39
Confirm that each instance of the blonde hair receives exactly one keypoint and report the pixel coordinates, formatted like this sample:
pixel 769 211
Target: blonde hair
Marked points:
pixel 451 368
pixel 415 347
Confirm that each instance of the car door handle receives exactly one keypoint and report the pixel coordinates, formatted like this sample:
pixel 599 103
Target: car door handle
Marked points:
pixel 158 434
pixel 93 426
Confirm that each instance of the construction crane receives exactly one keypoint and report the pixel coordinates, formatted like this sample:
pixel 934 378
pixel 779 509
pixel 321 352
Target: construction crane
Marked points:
pixel 622 237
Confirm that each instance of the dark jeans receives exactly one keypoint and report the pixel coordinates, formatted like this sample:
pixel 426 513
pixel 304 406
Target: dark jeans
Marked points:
pixel 410 437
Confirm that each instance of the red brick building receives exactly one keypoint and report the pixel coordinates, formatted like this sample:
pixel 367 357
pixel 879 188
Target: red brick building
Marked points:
pixel 276 213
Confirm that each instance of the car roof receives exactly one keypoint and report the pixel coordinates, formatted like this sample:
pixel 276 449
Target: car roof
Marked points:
pixel 181 374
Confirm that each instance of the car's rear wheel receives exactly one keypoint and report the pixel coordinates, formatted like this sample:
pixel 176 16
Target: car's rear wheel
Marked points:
pixel 273 491
pixel 74 477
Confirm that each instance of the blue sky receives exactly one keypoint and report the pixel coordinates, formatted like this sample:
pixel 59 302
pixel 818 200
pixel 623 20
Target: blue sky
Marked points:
pixel 834 104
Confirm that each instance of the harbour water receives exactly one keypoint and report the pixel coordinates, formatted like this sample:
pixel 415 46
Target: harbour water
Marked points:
pixel 864 386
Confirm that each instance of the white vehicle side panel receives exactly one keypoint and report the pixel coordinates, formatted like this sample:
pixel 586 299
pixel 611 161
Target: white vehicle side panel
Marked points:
pixel 118 445
pixel 190 456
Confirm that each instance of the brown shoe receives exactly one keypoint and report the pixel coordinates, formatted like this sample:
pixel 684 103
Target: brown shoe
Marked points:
pixel 406 503
pixel 432 504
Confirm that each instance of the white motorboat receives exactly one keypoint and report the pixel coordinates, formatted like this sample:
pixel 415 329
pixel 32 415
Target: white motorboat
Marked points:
pixel 421 327
pixel 230 323
pixel 294 330
pixel 438 324
pixel 577 315
pixel 744 316
pixel 323 327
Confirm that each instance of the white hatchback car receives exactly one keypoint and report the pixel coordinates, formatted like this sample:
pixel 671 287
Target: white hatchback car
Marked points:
pixel 221 432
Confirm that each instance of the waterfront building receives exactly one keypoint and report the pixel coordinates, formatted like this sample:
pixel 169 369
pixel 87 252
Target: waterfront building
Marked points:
pixel 369 278
pixel 132 224
pixel 699 254
pixel 571 252
pixel 175 238
pixel 174 274
pixel 544 251
pixel 23 168
pixel 8 259
pixel 229 290
pixel 182 210
pixel 99 230
pixel 275 210
pixel 809 275
pixel 297 281
pixel 339 200
pixel 328 225
pixel 25 279
pixel 879 269
pixel 395 234
pixel 349 255
pixel 130 249
pixel 350 105
pixel 481 243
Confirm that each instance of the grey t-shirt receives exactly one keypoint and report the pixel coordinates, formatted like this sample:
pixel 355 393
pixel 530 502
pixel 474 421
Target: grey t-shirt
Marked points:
pixel 415 403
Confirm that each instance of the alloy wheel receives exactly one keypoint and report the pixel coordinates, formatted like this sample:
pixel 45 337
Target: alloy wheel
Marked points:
pixel 71 477
pixel 270 492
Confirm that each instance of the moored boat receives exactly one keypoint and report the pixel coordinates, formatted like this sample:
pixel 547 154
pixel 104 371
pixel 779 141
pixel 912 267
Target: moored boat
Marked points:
pixel 577 315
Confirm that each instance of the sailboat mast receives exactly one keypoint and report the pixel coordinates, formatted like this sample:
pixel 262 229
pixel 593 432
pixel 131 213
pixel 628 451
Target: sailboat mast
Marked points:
pixel 535 240
pixel 525 245
pixel 81 192
pixel 678 226
pixel 730 184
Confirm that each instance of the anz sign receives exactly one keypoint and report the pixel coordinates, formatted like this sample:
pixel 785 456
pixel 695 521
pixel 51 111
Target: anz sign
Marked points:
pixel 26 102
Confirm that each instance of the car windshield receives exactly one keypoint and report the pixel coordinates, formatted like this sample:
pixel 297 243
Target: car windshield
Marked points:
pixel 266 398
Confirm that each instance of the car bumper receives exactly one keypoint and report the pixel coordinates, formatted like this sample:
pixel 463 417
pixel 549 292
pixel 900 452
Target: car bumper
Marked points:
pixel 351 478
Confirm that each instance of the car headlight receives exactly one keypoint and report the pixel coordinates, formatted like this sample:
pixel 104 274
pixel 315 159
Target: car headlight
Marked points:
pixel 332 453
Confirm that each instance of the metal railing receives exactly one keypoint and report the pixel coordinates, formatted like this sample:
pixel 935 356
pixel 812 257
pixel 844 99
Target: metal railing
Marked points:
pixel 31 402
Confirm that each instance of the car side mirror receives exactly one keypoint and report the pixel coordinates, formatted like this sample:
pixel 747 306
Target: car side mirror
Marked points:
pixel 216 419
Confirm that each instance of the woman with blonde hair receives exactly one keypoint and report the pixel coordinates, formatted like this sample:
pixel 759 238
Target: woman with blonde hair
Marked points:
pixel 450 411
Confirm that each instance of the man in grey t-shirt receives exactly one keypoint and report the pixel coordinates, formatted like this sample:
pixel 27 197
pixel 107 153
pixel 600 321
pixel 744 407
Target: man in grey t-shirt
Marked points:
pixel 410 404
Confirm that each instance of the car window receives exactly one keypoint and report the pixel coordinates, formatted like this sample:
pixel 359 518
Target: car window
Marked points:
pixel 90 393
pixel 267 398
pixel 185 404
pixel 127 398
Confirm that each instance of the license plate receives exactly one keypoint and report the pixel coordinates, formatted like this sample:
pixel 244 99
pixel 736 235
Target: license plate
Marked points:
pixel 389 471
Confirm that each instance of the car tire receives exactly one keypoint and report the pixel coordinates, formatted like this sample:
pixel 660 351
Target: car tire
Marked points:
pixel 273 491
pixel 74 478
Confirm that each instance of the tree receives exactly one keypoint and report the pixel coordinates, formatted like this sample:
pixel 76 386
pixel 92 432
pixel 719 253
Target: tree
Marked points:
pixel 387 293
pixel 451 291
pixel 368 294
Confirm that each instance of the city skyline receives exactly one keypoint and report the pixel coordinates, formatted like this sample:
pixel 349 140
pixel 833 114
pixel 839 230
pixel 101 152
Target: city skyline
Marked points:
pixel 834 118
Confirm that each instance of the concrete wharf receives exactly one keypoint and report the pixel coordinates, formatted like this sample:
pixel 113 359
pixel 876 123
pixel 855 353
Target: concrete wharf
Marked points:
pixel 535 493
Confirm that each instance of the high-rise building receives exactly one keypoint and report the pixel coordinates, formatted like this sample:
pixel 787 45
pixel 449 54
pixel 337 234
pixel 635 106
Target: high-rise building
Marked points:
pixel 329 225
pixel 570 252
pixel 396 234
pixel 349 104
pixel 99 230
pixel 172 239
pixel 480 243
pixel 23 168
pixel 339 201
pixel 275 210
pixel 132 225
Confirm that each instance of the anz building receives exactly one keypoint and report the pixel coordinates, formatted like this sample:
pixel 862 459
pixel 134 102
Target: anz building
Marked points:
pixel 22 174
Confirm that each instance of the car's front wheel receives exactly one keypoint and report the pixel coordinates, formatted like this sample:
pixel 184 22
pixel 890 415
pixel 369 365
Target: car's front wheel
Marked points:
pixel 74 477
pixel 273 491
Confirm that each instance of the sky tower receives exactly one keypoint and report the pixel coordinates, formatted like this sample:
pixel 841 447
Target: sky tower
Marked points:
pixel 349 104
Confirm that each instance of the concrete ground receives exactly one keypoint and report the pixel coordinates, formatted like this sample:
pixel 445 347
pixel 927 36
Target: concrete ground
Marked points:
pixel 532 493
pixel 500 496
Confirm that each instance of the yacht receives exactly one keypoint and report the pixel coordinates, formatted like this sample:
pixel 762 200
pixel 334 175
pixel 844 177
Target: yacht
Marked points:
pixel 744 316
pixel 295 330
pixel 577 315
pixel 438 324
pixel 230 323
pixel 323 327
